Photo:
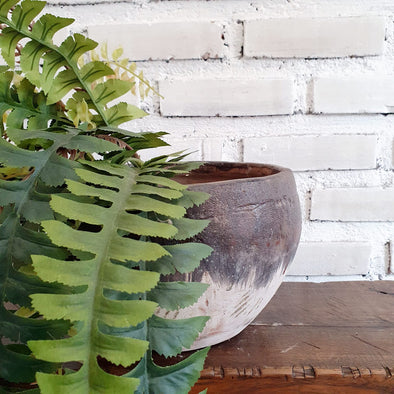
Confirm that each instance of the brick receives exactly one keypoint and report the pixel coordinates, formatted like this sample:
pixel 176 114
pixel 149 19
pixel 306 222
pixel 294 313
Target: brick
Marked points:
pixel 226 97
pixel 303 153
pixel 353 204
pixel 331 258
pixel 314 37
pixel 213 149
pixel 221 149
pixel 189 145
pixel 392 154
pixel 162 40
pixel 353 95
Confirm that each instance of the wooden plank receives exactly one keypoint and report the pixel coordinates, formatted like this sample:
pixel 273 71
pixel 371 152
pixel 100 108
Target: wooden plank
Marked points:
pixel 325 347
pixel 284 384
pixel 311 338
pixel 331 304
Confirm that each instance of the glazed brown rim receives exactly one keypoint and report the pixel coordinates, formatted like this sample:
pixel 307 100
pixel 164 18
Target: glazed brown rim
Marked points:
pixel 277 171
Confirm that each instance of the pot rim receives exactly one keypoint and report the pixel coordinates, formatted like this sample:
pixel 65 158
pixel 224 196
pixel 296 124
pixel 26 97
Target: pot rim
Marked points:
pixel 281 171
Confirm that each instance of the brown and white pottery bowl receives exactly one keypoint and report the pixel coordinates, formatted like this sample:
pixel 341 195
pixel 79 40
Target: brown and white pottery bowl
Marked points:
pixel 254 230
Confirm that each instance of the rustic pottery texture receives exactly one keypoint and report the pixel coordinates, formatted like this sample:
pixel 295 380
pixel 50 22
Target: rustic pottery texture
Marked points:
pixel 254 230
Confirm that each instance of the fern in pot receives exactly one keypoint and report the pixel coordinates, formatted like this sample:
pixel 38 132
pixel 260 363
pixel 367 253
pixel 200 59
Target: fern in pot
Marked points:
pixel 80 263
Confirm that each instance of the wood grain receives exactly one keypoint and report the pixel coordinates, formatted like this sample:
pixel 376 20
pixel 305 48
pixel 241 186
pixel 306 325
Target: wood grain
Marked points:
pixel 331 304
pixel 311 338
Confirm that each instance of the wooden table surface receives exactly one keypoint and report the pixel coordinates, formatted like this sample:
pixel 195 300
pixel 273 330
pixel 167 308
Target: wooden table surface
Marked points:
pixel 311 338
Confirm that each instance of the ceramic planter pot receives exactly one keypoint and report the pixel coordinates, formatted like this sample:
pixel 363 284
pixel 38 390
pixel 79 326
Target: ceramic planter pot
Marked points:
pixel 254 231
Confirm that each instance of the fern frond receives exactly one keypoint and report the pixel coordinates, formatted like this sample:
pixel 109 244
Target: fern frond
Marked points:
pixel 24 104
pixel 112 300
pixel 166 336
pixel 177 378
pixel 60 72
pixel 29 202
pixel 113 184
pixel 126 72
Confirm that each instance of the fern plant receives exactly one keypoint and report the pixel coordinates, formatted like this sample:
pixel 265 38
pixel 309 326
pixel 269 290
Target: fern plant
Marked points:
pixel 85 238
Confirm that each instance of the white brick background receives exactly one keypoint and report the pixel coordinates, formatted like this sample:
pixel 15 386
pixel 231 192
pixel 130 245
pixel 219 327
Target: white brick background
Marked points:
pixel 307 84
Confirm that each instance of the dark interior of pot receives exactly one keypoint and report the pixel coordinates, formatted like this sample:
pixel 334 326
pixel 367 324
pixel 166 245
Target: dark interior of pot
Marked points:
pixel 225 171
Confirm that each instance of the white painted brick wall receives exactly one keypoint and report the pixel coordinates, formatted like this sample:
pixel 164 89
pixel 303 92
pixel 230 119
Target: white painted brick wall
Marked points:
pixel 331 258
pixel 316 152
pixel 230 97
pixel 221 149
pixel 162 40
pixel 392 154
pixel 353 204
pixel 300 83
pixel 364 94
pixel 315 37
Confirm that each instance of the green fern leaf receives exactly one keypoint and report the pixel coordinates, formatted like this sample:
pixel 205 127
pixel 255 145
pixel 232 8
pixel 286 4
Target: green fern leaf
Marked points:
pixel 16 286
pixel 10 366
pixel 93 71
pixel 147 204
pixel 29 203
pixel 162 192
pixel 188 228
pixel 18 328
pixel 73 383
pixel 168 337
pixel 25 104
pixel 123 112
pixel 65 137
pixel 109 90
pixel 192 198
pixel 162 181
pixel 6 5
pixel 28 241
pixel 15 242
pixel 65 81
pixel 52 62
pixel 25 12
pixel 177 378
pixel 183 258
pixel 31 55
pixel 22 15
pixel 187 166
pixel 76 45
pixel 175 295
pixel 8 42
pixel 45 27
